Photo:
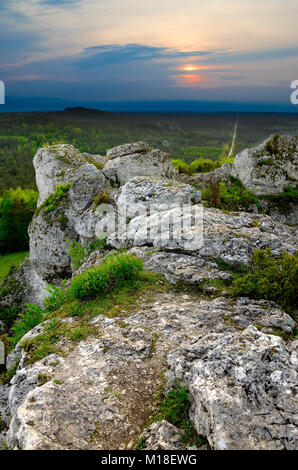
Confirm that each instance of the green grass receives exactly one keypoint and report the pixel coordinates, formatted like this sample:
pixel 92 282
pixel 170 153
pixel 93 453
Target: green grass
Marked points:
pixel 174 407
pixel 10 260
pixel 113 272
pixel 122 301
pixel 115 288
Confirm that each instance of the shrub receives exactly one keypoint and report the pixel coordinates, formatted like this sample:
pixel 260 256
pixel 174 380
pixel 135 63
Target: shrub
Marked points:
pixel 204 165
pixel 283 200
pixel 54 200
pixel 114 271
pixel 232 196
pixel 183 167
pixel 58 296
pixel 77 252
pixel 272 145
pixel 270 279
pixel 27 321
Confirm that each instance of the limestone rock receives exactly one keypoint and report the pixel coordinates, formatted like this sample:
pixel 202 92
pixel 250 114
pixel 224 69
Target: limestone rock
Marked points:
pixel 137 159
pixel 211 233
pixel 178 267
pixel 113 378
pixel 59 164
pixel 162 436
pixel 70 216
pixel 146 194
pixel 128 149
pixel 269 171
pixel 243 388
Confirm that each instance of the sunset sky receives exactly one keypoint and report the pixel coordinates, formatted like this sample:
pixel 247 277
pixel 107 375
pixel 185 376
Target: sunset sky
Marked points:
pixel 132 50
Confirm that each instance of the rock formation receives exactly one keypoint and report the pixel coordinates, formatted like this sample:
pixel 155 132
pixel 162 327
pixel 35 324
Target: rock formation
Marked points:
pixel 235 356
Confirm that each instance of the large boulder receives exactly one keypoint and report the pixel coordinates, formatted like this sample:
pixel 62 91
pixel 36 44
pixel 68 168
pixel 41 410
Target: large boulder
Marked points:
pixel 58 164
pixel 68 184
pixel 270 167
pixel 138 159
pixel 244 388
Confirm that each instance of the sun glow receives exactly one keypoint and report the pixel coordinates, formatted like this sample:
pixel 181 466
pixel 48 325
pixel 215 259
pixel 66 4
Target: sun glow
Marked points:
pixel 189 68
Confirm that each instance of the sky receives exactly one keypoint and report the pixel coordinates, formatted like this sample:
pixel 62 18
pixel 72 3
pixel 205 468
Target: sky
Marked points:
pixel 151 50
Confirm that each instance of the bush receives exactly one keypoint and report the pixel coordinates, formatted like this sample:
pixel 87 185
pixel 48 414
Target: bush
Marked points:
pixel 201 165
pixel 113 272
pixel 58 296
pixel 270 279
pixel 233 196
pixel 27 321
pixel 16 211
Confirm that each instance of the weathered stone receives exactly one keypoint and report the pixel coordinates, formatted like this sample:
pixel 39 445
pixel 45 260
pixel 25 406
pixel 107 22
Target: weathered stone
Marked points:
pixel 269 172
pixel 143 194
pixel 125 166
pixel 112 378
pixel 162 436
pixel 243 389
pixel 128 149
pixel 231 237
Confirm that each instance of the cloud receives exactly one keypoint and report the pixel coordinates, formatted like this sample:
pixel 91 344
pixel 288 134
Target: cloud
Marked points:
pixel 60 3
pixel 119 54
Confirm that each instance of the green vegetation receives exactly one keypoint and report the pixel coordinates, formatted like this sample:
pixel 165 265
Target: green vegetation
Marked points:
pixel 77 252
pixel 283 200
pixel 201 165
pixel 6 377
pixel 113 272
pixel 26 321
pixel 232 196
pixel 12 260
pixel 16 211
pixel 102 198
pixel 127 285
pixel 54 332
pixel 174 407
pixel 54 200
pixel 270 278
pixel 188 138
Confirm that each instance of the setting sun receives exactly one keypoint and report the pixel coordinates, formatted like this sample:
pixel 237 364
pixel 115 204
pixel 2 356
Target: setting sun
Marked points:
pixel 190 68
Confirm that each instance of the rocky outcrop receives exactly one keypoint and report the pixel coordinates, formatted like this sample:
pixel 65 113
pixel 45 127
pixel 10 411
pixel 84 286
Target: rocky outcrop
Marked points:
pixel 236 356
pixel 112 378
pixel 270 167
pixel 137 159
pixel 59 164
pixel 244 388
pixel 266 170
pixel 231 237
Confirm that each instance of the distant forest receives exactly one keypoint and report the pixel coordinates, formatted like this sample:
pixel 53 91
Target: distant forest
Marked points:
pixel 185 137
